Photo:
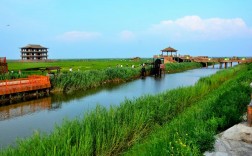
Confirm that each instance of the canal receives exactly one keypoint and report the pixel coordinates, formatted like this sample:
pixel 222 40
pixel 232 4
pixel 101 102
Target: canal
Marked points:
pixel 22 119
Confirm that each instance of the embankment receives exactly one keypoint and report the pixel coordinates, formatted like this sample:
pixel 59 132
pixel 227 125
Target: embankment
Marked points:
pixel 72 81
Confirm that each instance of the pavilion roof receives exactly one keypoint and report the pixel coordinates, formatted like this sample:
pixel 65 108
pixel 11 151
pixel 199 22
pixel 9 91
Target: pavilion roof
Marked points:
pixel 34 46
pixel 169 49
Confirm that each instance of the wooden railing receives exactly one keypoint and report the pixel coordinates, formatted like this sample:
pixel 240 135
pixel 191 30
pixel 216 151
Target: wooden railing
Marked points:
pixel 222 60
pixel 34 82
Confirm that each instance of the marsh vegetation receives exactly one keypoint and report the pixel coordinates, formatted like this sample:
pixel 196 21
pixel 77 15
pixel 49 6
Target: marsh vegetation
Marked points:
pixel 182 121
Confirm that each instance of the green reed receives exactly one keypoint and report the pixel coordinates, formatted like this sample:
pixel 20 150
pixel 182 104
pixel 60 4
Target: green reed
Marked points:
pixel 13 75
pixel 84 80
pixel 177 67
pixel 192 132
pixel 115 130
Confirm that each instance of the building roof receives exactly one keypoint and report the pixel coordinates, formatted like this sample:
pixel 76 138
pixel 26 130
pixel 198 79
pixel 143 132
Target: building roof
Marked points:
pixel 34 46
pixel 169 49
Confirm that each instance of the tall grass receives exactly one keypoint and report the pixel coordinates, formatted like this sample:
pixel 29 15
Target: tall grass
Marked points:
pixel 9 76
pixel 115 130
pixel 71 81
pixel 83 80
pixel 192 132
pixel 177 67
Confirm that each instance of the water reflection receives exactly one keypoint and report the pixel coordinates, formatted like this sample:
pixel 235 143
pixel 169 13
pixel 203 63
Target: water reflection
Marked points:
pixel 23 108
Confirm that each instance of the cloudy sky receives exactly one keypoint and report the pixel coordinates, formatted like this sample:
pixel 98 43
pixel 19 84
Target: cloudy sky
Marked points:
pixel 126 28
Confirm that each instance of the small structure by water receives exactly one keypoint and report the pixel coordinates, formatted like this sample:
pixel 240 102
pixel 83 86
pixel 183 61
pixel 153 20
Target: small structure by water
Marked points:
pixel 159 61
pixel 168 58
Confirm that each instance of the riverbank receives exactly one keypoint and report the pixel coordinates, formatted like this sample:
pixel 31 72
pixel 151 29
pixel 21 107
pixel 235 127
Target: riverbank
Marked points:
pixel 193 131
pixel 72 81
pixel 118 129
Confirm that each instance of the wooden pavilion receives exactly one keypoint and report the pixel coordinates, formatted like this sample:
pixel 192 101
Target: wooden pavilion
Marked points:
pixel 34 52
pixel 167 58
pixel 171 50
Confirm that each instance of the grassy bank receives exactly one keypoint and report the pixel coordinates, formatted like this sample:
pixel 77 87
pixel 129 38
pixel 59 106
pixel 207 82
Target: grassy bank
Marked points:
pixel 71 81
pixel 83 80
pixel 134 122
pixel 192 132
pixel 178 67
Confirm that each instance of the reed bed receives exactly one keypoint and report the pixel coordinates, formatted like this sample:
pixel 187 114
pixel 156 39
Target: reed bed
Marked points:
pixel 177 67
pixel 9 76
pixel 113 131
pixel 71 81
pixel 83 80
pixel 192 132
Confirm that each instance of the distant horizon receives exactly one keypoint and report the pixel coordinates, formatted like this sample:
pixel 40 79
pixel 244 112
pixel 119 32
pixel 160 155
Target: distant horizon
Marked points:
pixel 119 58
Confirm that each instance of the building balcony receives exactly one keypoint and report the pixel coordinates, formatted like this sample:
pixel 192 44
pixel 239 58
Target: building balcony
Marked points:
pixel 34 55
pixel 34 51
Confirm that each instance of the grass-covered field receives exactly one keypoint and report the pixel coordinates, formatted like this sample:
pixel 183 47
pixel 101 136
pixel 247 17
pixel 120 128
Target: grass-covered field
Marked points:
pixel 182 121
pixel 89 64
pixel 81 65
pixel 75 64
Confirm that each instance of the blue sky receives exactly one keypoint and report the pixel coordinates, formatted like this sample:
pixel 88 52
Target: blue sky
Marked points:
pixel 126 28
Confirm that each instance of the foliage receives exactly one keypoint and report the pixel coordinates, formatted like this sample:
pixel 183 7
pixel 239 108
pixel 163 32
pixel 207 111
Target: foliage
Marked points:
pixel 83 80
pixel 176 67
pixel 71 81
pixel 13 75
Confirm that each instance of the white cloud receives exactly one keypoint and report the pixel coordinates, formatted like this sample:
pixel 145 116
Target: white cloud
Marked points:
pixel 126 35
pixel 194 27
pixel 73 36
